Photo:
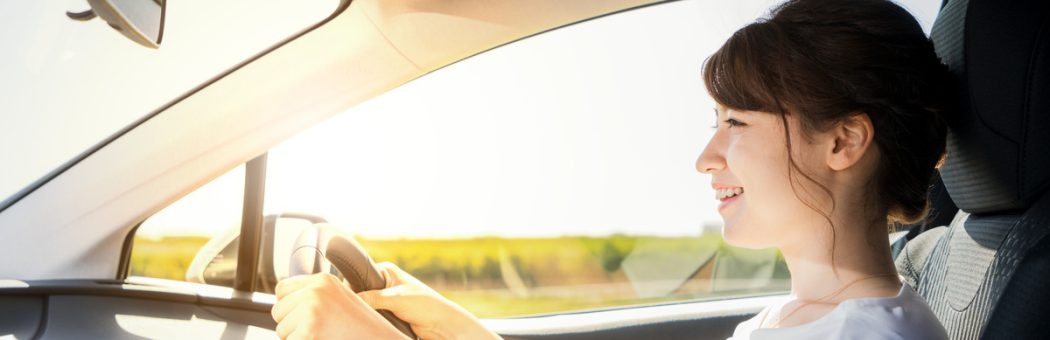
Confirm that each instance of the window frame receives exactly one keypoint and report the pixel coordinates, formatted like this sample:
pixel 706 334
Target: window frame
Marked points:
pixel 249 247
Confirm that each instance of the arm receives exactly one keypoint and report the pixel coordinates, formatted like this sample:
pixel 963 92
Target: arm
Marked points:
pixel 320 306
pixel 431 315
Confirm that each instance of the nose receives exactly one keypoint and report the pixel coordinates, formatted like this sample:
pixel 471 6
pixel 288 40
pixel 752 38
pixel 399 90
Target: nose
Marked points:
pixel 712 159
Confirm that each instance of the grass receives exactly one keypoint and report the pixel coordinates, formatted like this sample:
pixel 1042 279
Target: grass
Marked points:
pixel 504 277
pixel 166 258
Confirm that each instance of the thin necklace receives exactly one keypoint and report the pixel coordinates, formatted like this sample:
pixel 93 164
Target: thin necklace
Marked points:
pixel 828 296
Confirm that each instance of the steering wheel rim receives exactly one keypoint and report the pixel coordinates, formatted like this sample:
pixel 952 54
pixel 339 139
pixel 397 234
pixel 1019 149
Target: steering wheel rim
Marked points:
pixel 321 246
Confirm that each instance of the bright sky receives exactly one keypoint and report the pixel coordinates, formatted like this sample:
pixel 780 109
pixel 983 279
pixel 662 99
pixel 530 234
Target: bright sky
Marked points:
pixel 591 129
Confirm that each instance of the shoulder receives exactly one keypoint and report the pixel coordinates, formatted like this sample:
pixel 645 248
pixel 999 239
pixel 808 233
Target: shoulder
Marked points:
pixel 744 330
pixel 906 316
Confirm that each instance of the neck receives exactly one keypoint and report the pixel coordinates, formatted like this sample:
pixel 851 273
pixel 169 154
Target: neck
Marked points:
pixel 859 259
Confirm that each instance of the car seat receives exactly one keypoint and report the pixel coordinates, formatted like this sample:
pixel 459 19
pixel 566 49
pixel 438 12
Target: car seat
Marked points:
pixel 985 275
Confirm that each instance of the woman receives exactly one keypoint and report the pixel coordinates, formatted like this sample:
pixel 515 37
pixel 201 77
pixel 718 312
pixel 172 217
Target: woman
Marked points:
pixel 829 126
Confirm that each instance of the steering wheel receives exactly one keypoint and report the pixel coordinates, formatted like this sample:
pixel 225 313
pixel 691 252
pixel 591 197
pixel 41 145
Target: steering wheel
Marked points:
pixel 321 246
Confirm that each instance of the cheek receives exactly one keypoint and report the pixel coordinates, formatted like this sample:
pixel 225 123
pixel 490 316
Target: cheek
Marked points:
pixel 769 207
pixel 761 166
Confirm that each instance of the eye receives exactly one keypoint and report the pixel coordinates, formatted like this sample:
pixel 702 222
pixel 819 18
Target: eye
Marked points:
pixel 734 123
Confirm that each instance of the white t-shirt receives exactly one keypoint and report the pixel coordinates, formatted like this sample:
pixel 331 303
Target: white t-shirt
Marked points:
pixel 905 316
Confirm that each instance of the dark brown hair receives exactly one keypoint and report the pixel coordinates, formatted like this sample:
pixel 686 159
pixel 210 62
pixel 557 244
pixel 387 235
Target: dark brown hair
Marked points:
pixel 823 61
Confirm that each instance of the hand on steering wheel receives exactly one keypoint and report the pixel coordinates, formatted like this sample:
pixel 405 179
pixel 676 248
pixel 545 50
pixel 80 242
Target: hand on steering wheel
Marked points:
pixel 320 306
pixel 321 244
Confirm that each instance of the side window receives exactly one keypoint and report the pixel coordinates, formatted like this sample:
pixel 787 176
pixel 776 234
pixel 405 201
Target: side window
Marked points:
pixel 197 239
pixel 191 240
pixel 554 174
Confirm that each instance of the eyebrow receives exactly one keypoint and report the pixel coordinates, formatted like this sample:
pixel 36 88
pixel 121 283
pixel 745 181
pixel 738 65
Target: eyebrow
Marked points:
pixel 737 113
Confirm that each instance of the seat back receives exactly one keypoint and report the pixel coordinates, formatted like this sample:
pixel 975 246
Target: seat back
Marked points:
pixel 986 273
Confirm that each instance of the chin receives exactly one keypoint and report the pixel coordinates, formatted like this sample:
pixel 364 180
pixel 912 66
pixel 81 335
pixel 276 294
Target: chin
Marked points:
pixel 741 236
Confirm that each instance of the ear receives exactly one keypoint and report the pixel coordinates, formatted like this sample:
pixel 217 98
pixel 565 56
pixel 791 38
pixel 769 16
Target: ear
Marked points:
pixel 852 138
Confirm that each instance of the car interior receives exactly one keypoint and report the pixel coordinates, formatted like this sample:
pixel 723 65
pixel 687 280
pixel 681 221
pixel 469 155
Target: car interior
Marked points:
pixel 982 274
pixel 981 269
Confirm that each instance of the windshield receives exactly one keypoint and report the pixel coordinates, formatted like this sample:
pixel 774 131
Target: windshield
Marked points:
pixel 68 85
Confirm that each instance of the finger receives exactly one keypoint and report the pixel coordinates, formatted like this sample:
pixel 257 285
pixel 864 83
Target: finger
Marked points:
pixel 291 284
pixel 410 314
pixel 384 270
pixel 283 329
pixel 287 326
pixel 390 299
pixel 393 274
pixel 371 298
pixel 323 281
pixel 281 309
pixel 304 334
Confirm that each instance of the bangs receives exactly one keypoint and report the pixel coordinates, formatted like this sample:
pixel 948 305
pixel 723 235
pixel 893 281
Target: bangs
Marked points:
pixel 740 74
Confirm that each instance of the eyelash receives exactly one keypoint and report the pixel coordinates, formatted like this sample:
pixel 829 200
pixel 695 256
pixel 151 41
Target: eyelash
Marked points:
pixel 734 123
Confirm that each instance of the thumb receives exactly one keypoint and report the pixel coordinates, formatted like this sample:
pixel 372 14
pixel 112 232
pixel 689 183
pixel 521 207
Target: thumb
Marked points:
pixel 393 274
pixel 389 298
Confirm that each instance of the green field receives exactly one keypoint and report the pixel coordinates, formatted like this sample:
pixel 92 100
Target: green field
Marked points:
pixel 501 277
pixel 166 258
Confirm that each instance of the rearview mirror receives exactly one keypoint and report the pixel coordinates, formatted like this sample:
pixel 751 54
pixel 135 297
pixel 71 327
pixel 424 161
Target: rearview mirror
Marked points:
pixel 142 21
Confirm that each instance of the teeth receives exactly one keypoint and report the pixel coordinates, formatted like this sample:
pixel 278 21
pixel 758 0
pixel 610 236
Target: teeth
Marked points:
pixel 724 193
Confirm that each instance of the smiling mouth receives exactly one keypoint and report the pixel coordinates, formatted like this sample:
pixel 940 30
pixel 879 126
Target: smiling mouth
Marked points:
pixel 723 194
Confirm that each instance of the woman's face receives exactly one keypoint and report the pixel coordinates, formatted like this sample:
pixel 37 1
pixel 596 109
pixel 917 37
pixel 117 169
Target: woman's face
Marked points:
pixel 748 162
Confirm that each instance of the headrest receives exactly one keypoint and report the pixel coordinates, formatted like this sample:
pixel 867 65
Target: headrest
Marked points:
pixel 999 141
